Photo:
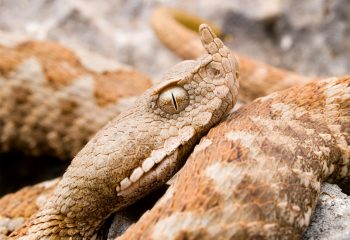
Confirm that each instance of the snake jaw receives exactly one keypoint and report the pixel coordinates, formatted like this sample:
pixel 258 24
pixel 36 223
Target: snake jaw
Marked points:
pixel 159 166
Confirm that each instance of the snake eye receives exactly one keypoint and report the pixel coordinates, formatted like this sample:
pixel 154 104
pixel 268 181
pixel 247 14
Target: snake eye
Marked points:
pixel 173 100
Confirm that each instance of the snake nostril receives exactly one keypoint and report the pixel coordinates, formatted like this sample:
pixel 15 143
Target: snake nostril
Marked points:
pixel 213 72
pixel 216 72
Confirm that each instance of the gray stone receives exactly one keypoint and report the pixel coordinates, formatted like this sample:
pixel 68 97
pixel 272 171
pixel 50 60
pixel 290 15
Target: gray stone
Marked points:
pixel 309 37
pixel 331 219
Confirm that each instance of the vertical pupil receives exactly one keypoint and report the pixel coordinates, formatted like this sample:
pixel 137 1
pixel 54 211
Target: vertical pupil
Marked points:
pixel 174 101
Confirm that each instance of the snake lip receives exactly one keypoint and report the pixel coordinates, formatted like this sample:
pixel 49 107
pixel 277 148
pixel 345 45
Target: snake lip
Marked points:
pixel 165 164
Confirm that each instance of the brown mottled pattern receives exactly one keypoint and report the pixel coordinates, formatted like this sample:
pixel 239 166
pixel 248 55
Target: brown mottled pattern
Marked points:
pixel 52 103
pixel 142 148
pixel 111 86
pixel 23 203
pixel 257 79
pixel 257 175
pixel 59 64
pixel 17 208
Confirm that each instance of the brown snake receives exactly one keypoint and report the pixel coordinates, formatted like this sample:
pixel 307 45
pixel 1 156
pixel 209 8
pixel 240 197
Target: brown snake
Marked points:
pixel 217 206
pixel 146 145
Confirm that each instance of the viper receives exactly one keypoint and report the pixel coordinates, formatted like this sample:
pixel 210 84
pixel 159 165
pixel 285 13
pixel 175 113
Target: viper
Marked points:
pixel 244 180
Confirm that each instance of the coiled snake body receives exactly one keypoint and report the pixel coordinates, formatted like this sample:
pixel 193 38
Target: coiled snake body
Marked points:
pixel 244 180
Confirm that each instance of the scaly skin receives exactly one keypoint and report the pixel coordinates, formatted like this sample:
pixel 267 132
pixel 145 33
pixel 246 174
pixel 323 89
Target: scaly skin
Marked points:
pixel 257 175
pixel 257 79
pixel 18 207
pixel 53 100
pixel 104 176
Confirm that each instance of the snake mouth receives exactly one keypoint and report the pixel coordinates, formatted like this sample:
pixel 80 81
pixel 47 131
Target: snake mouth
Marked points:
pixel 156 169
pixel 157 175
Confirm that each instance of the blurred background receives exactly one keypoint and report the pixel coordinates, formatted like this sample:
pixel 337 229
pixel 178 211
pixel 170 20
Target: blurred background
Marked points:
pixel 310 37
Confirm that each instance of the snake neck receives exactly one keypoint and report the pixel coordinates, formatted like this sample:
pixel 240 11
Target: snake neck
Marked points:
pixel 53 224
pixel 72 212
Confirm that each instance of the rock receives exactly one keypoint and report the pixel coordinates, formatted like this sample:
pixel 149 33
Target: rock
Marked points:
pixel 331 219
pixel 310 37
pixel 121 222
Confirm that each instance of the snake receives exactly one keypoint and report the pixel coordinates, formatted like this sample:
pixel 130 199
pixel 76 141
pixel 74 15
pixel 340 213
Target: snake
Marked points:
pixel 102 178
pixel 218 193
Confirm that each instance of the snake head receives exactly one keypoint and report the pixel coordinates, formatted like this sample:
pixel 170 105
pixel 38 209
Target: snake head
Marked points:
pixel 194 96
pixel 143 147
